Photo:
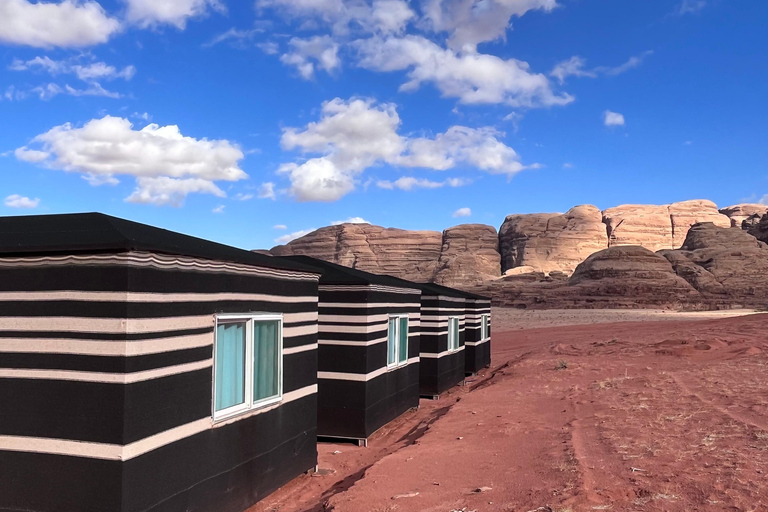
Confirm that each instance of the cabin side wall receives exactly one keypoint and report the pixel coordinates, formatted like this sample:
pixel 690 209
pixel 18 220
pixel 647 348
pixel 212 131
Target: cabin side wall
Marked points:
pixel 478 349
pixel 162 450
pixel 357 393
pixel 440 368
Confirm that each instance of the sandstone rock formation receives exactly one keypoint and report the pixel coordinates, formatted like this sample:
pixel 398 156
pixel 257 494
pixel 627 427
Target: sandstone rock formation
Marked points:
pixel 406 254
pixel 646 225
pixel 551 241
pixel 730 262
pixel 738 213
pixel 687 213
pixel 760 230
pixel 469 255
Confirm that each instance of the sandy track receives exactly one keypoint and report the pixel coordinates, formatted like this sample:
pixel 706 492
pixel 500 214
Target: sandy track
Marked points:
pixel 644 416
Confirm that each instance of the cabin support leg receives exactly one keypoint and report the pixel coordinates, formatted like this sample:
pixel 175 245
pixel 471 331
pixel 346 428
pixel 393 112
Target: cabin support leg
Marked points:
pixel 362 442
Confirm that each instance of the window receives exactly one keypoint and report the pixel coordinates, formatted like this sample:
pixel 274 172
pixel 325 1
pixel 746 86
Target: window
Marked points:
pixel 397 340
pixel 248 363
pixel 453 333
pixel 485 331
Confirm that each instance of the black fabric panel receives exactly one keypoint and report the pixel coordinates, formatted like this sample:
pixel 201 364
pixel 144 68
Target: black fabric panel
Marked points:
pixel 158 405
pixel 428 372
pixel 98 336
pixel 299 370
pixel 93 232
pixel 298 341
pixel 94 309
pixel 81 411
pixel 343 358
pixel 390 395
pixel 105 364
pixel 433 344
pixel 473 358
pixel 225 467
pixel 96 278
pixel 330 324
pixel 355 336
pixel 341 408
pixel 38 482
pixel 451 371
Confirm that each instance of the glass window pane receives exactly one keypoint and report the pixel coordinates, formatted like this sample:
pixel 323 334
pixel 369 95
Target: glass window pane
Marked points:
pixel 402 352
pixel 392 341
pixel 266 359
pixel 230 365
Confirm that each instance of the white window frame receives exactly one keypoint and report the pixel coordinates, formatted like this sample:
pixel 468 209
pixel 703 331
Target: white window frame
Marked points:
pixel 485 326
pixel 398 363
pixel 249 404
pixel 458 330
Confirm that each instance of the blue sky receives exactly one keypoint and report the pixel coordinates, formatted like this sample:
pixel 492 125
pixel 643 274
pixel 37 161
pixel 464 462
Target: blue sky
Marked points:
pixel 245 122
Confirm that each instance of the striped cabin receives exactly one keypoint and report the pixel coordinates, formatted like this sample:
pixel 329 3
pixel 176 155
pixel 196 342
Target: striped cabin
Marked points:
pixel 143 370
pixel 443 313
pixel 368 354
pixel 477 333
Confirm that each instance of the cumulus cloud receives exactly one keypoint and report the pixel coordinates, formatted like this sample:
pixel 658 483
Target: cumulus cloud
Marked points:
pixel 351 220
pixel 470 22
pixel 219 209
pixel 576 66
pixel 408 183
pixel 243 197
pixel 19 201
pixel 279 226
pixel 462 212
pixel 354 135
pixel 293 236
pixel 153 13
pixel 613 118
pixel 89 72
pixel 319 52
pixel 67 24
pixel 266 191
pixel 166 164
pixel 473 78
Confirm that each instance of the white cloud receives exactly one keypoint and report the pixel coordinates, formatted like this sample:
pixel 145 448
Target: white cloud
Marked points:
pixel 243 197
pixel 316 52
pixel 239 38
pixel 613 118
pixel 689 7
pixel 166 164
pixel 462 212
pixel 293 236
pixel 380 16
pixel 266 191
pixel 568 165
pixel 472 77
pixel 410 183
pixel 31 155
pixel 279 226
pixel 354 135
pixel 69 23
pixel 269 47
pixel 575 66
pixel 351 220
pixel 470 22
pixel 152 13
pixel 219 209
pixel 89 72
pixel 19 201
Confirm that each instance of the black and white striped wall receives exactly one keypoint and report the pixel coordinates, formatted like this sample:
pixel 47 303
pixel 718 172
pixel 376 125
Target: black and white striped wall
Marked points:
pixel 477 342
pixel 106 384
pixel 441 367
pixel 358 393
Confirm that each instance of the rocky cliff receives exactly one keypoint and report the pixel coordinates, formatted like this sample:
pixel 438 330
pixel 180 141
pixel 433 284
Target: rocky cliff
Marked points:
pixel 625 255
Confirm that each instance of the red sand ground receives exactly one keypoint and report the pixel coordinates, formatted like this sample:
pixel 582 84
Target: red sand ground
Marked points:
pixel 645 416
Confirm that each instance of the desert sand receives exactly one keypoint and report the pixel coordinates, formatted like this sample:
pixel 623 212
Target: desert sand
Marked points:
pixel 623 416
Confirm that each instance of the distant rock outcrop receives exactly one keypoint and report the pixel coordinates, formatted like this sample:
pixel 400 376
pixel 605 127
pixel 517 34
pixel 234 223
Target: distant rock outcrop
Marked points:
pixel 687 213
pixel 738 213
pixel 552 241
pixel 469 255
pixel 646 225
pixel 760 229
pixel 401 253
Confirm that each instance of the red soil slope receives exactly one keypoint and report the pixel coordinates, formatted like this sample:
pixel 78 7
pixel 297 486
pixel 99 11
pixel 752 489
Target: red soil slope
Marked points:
pixel 651 416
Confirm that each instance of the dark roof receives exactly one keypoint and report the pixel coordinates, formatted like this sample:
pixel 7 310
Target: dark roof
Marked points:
pixel 99 233
pixel 438 289
pixel 339 274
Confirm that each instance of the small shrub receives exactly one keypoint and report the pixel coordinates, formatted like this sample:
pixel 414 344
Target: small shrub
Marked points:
pixel 562 365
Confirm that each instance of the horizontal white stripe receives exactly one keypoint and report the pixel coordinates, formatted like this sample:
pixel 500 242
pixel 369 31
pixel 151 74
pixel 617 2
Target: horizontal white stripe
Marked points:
pixel 135 449
pixel 301 348
pixel 357 329
pixel 104 348
pixel 368 305
pixel 444 298
pixel 106 378
pixel 151 297
pixel 372 287
pixel 302 330
pixel 432 355
pixel 348 343
pixel 476 343
pixel 363 377
pixel 105 325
